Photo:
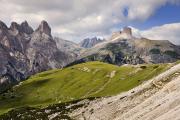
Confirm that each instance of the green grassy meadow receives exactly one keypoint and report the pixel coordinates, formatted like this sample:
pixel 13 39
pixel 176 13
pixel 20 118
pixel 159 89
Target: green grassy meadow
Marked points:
pixel 91 79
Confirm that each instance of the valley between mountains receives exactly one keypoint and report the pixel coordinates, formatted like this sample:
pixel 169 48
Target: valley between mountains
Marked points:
pixel 124 77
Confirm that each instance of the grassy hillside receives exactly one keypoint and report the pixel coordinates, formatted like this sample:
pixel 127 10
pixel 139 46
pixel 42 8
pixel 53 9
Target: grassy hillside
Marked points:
pixel 92 79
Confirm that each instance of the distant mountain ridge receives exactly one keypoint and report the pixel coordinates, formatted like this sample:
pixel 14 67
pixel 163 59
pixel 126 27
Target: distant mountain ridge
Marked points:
pixel 90 42
pixel 124 48
pixel 68 46
pixel 24 51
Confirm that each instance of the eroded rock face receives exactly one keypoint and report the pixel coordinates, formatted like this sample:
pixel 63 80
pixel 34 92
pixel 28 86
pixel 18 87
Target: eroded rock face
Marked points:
pixel 44 28
pixel 26 28
pixel 24 52
pixel 44 54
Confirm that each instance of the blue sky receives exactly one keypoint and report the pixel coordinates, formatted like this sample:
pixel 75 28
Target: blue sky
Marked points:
pixel 166 14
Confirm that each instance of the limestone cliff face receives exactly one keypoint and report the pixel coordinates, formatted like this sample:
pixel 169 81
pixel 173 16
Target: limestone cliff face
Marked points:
pixel 24 52
pixel 42 51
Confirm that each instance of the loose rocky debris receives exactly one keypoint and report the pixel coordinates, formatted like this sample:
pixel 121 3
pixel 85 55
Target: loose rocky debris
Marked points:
pixel 111 75
pixel 85 69
pixel 52 112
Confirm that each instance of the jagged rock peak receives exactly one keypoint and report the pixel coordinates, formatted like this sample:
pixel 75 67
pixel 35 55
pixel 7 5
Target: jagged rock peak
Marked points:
pixel 127 30
pixel 15 26
pixel 26 28
pixel 90 42
pixel 3 25
pixel 44 28
pixel 25 23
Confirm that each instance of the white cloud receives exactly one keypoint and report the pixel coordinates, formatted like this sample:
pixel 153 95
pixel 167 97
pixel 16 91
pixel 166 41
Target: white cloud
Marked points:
pixel 169 32
pixel 75 19
pixel 165 32
pixel 143 9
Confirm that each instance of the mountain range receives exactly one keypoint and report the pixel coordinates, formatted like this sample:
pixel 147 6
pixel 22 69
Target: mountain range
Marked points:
pixel 121 77
pixel 124 48
pixel 90 42
pixel 24 51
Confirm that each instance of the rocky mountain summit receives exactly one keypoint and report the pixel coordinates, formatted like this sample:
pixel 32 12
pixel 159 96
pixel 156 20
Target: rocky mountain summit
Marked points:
pixel 125 33
pixel 90 42
pixel 25 52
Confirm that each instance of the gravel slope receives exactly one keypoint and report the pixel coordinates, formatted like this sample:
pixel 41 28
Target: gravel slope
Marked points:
pixel 156 99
